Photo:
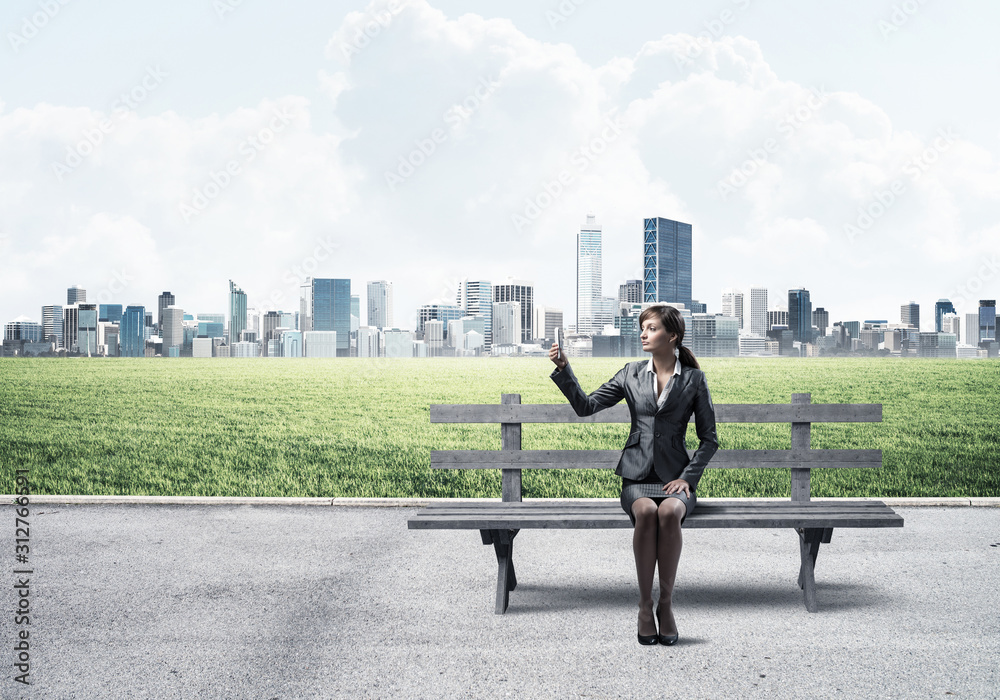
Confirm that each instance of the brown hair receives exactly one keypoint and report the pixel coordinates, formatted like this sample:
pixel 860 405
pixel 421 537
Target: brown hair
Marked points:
pixel 672 322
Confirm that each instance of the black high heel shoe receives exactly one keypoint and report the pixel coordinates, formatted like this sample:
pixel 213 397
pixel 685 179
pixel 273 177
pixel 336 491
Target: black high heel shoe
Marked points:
pixel 648 639
pixel 665 639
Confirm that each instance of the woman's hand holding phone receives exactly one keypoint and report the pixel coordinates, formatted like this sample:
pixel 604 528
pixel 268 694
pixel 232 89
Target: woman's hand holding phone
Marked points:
pixel 557 356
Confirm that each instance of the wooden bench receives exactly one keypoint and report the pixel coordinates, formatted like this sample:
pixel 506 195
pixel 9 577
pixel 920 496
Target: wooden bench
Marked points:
pixel 499 521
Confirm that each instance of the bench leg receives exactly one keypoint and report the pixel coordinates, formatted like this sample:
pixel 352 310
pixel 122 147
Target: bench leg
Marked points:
pixel 809 541
pixel 503 544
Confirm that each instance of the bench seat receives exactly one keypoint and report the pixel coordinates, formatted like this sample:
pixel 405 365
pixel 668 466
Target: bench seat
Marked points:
pixel 604 514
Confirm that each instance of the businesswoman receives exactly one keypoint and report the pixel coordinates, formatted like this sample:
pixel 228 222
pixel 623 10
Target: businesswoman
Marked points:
pixel 659 479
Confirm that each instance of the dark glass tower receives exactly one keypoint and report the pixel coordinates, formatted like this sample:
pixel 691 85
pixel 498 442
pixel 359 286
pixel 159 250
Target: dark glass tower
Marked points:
pixel 666 261
pixel 800 315
pixel 131 335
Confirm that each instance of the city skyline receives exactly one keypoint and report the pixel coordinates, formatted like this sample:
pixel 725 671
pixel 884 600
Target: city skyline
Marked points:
pixel 153 165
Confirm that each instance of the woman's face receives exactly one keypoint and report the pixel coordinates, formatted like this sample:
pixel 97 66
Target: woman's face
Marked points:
pixel 655 338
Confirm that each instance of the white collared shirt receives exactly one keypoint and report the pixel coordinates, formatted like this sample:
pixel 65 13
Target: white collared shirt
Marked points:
pixel 663 397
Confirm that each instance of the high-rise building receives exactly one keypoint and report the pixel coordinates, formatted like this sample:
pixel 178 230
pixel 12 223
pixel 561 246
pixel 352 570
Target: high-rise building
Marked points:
pixel 523 292
pixel 507 323
pixel 476 297
pixel 369 341
pixel 800 315
pixel 71 326
pixel 76 295
pixel 52 324
pixel 666 256
pixel 131 334
pixel 909 313
pixel 380 313
pixel 776 317
pixel 714 335
pixel 86 333
pixel 109 313
pixel 172 330
pixel 821 319
pixel 630 292
pixel 588 278
pixel 952 323
pixel 758 311
pixel 436 312
pixel 942 307
pixel 165 299
pixel 732 304
pixel 23 328
pixel 547 319
pixel 987 321
pixel 237 312
pixel 355 312
pixel 971 330
pixel 331 310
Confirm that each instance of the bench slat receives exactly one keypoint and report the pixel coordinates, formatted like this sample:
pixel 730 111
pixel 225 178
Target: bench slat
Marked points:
pixel 483 522
pixel 607 459
pixel 724 413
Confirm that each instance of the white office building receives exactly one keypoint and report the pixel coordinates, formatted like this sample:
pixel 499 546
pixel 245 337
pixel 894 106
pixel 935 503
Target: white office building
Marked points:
pixel 380 304
pixel 506 323
pixel 201 347
pixel 732 304
pixel 589 302
pixel 398 343
pixel 320 343
pixel 758 311
pixel 369 342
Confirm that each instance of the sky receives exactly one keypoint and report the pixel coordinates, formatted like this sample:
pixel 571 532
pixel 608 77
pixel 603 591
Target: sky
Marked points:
pixel 851 149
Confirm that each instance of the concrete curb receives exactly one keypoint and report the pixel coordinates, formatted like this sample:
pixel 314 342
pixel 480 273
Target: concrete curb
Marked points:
pixel 416 502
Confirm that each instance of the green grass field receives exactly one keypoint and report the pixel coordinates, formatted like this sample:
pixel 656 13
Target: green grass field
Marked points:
pixel 359 427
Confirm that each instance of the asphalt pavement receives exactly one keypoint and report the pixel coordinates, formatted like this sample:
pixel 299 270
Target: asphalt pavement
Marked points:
pixel 278 601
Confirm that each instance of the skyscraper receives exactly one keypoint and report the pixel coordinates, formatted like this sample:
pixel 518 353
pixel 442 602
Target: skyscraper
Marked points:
pixel 166 299
pixel 758 311
pixel 523 292
pixel 132 335
pixel 910 313
pixel 76 295
pixel 237 312
pixel 86 335
pixel 507 323
pixel 987 321
pixel 172 330
pixel 800 315
pixel 380 304
pixel 588 277
pixel 476 297
pixel 71 326
pixel 52 324
pixel 942 307
pixel 666 261
pixel 109 313
pixel 821 319
pixel 331 310
pixel 732 304
pixel 630 292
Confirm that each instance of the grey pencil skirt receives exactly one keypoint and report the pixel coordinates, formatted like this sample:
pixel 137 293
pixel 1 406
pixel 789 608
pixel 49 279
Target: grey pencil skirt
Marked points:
pixel 634 490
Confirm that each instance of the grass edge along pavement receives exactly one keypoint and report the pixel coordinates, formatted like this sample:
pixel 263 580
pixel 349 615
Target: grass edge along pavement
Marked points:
pixel 359 428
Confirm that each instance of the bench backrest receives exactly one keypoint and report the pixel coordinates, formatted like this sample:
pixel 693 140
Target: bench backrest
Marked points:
pixel 511 459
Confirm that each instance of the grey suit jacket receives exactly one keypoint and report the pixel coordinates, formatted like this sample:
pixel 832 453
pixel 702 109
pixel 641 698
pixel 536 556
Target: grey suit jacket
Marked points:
pixel 656 440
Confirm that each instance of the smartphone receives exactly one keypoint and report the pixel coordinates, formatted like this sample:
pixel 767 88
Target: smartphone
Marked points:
pixel 559 342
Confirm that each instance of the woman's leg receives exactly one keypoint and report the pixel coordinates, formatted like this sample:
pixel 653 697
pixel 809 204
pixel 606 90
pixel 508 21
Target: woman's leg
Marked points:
pixel 644 549
pixel 668 553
